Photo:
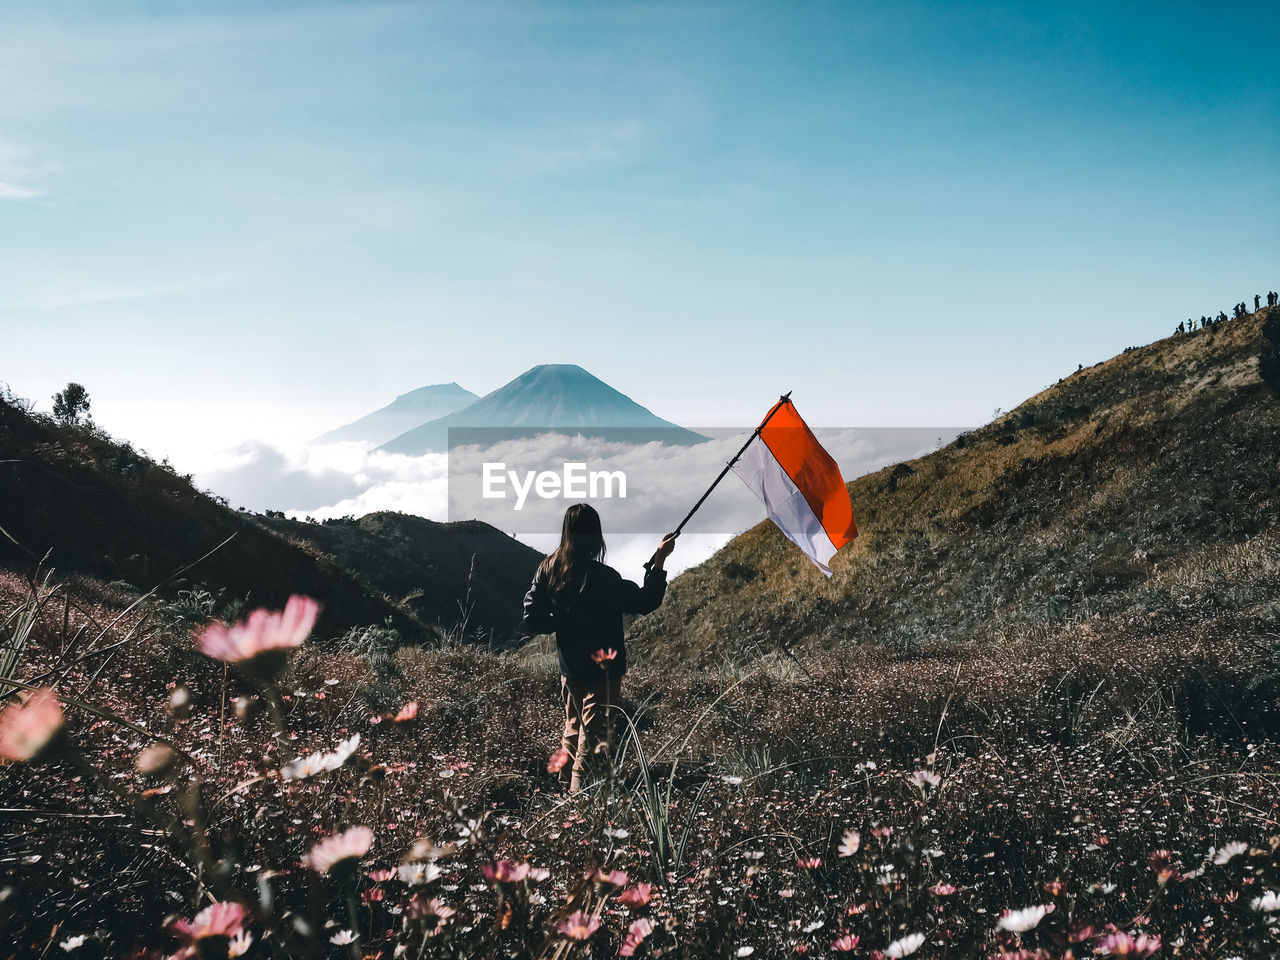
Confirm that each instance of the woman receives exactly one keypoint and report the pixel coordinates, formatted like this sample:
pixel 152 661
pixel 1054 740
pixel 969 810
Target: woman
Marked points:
pixel 582 601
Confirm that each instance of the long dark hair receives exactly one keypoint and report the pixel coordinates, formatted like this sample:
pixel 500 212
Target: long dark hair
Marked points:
pixel 581 541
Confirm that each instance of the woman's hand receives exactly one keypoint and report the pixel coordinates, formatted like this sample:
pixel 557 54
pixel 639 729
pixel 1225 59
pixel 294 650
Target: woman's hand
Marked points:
pixel 664 549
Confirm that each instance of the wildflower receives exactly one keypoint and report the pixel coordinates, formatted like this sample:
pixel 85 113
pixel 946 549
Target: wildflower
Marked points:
pixel 850 843
pixel 809 863
pixel 1228 852
pixel 343 937
pixel 904 947
pixel 222 919
pixel 336 853
pixel 259 644
pixel 636 934
pixel 73 943
pixel 558 760
pixel 601 657
pixel 1161 862
pixel 418 874
pixel 636 896
pixel 614 878
pixel 746 951
pixel 579 925
pixel 1269 902
pixel 407 712
pixel 846 943
pixel 1121 944
pixel 505 871
pixel 428 908
pixel 1020 921
pixel 27 729
pixel 153 759
pixel 380 875
pixel 942 890
pixel 924 779
pixel 882 833
pixel 316 763
pixel 240 944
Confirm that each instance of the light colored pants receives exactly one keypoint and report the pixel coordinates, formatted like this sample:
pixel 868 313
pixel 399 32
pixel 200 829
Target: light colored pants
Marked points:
pixel 588 730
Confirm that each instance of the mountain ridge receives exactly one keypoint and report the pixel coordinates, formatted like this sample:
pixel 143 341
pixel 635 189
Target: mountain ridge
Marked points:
pixel 561 396
pixel 403 413
pixel 1088 498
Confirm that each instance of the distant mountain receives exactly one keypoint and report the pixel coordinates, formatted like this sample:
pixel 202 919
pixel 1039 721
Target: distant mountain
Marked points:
pixel 560 396
pixel 404 413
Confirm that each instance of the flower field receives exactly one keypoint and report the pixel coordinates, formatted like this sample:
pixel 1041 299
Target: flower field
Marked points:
pixel 252 790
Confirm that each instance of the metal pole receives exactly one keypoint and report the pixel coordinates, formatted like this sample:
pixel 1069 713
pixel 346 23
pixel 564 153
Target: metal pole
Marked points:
pixel 727 467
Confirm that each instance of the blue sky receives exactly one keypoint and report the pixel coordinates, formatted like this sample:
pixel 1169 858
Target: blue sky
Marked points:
pixel 241 220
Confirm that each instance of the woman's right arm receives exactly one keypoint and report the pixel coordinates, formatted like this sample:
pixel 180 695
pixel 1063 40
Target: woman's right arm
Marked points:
pixel 537 607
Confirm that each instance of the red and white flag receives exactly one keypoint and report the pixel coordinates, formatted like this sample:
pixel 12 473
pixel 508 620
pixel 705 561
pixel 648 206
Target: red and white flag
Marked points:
pixel 799 485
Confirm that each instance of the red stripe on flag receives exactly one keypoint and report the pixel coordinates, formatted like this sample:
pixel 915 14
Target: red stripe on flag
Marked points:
pixel 812 470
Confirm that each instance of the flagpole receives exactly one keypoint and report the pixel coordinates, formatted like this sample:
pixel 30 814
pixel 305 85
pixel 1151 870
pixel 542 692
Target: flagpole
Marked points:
pixel 727 467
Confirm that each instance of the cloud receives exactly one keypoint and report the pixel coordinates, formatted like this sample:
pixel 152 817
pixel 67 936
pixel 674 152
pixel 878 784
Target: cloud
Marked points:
pixel 15 172
pixel 663 482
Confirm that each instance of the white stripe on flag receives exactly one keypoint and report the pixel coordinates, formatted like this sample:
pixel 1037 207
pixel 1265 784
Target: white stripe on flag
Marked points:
pixel 784 503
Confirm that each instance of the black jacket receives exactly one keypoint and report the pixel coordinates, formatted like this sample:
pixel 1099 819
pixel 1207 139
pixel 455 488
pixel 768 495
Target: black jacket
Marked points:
pixel 586 616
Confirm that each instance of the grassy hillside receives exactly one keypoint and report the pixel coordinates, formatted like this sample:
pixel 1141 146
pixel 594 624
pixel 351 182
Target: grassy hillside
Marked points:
pixel 98 508
pixel 1137 485
pixel 441 573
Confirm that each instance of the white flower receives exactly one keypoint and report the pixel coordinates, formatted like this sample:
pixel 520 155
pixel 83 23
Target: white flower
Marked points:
pixel 1020 921
pixel 746 951
pixel 1269 902
pixel 73 943
pixel 924 778
pixel 906 946
pixel 240 944
pixel 343 937
pixel 305 767
pixel 815 925
pixel 418 874
pixel 1229 851
pixel 732 781
pixel 850 843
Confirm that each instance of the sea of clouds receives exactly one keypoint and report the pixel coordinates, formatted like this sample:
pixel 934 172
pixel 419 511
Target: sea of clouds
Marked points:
pixel 662 483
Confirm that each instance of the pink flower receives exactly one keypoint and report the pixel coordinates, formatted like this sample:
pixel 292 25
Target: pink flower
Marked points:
pixel 264 638
pixel 26 729
pixel 846 943
pixel 407 712
pixel 635 936
pixel 613 878
pixel 223 919
pixel 636 896
pixel 809 863
pixel 336 850
pixel 505 871
pixel 1121 944
pixel 602 656
pixel 850 843
pixel 558 760
pixel 578 925
pixel 942 890
pixel 380 875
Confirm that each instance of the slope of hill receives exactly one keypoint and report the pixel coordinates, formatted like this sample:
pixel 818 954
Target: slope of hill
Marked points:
pixel 1145 485
pixel 404 413
pixel 441 573
pixel 553 395
pixel 99 508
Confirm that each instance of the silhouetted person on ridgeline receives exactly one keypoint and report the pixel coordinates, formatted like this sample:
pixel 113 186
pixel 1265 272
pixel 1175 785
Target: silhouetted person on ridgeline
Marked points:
pixel 1180 327
pixel 1257 302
